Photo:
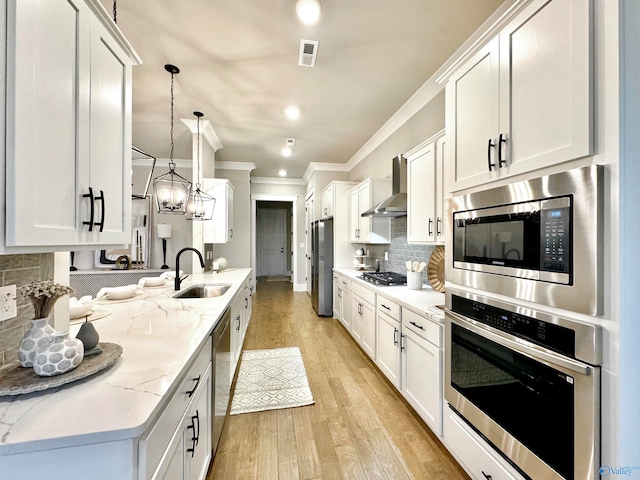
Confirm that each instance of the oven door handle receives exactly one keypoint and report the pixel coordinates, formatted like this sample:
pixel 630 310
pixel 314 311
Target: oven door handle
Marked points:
pixel 549 358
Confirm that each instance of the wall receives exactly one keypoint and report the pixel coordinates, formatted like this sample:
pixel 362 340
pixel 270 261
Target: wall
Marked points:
pixel 238 251
pixel 20 270
pixel 428 121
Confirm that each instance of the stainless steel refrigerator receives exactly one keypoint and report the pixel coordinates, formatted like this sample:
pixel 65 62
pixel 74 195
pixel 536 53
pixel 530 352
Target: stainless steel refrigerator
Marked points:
pixel 322 266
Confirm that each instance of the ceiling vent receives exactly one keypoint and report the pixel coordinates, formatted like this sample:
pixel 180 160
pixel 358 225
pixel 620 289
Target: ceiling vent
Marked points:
pixel 308 53
pixel 291 142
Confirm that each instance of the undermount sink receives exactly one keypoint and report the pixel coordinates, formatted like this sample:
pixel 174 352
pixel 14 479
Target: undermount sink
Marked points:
pixel 203 290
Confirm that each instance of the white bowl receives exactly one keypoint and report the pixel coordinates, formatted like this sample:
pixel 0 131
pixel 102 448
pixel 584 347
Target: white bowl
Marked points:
pixel 118 293
pixel 151 282
pixel 80 310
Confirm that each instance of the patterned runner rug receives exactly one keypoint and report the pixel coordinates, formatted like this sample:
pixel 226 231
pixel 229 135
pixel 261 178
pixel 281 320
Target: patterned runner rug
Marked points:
pixel 271 379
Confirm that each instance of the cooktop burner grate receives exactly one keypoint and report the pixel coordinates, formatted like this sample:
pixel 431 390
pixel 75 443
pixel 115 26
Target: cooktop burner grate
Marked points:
pixel 385 278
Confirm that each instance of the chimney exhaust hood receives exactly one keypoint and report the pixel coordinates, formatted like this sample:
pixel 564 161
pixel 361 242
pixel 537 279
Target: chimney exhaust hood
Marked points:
pixel 396 204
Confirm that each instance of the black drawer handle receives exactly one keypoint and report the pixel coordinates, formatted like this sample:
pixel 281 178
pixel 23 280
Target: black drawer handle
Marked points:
pixel 488 477
pixel 430 226
pixel 501 140
pixel 195 387
pixel 384 306
pixel 438 229
pixel 405 343
pixel 101 222
pixel 395 336
pixel 238 326
pixel 416 325
pixel 489 147
pixel 92 214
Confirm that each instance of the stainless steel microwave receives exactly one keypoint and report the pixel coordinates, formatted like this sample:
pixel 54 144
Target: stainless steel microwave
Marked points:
pixel 537 240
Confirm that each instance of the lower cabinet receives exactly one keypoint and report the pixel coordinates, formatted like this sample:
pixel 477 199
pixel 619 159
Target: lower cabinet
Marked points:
pixel 388 347
pixel 363 316
pixel 337 297
pixel 468 448
pixel 346 316
pixel 178 445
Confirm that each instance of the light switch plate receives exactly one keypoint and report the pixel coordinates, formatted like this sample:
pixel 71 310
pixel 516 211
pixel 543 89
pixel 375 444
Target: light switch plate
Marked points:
pixel 8 307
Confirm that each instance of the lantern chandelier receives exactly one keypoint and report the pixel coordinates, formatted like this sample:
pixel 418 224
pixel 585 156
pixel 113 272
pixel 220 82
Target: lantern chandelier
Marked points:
pixel 200 205
pixel 171 191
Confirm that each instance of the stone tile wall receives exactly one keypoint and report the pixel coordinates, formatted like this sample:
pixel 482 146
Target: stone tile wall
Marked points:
pixel 19 270
pixel 399 250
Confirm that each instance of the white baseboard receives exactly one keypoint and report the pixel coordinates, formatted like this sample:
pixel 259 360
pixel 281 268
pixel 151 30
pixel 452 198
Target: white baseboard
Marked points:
pixel 300 287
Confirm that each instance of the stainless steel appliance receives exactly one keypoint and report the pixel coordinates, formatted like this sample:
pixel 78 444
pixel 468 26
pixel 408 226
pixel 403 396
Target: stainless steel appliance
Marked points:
pixel 528 382
pixel 322 266
pixel 384 278
pixel 221 376
pixel 396 204
pixel 535 240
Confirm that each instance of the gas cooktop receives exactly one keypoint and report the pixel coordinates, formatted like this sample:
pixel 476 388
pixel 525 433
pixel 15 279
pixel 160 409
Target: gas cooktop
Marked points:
pixel 384 278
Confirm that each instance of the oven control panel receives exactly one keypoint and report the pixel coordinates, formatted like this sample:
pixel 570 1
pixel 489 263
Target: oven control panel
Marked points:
pixel 548 335
pixel 555 235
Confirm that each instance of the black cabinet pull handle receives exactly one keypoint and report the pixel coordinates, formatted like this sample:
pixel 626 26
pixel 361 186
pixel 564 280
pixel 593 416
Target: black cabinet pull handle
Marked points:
pixel 92 214
pixel 416 325
pixel 401 346
pixel 430 226
pixel 384 306
pixel 197 380
pixel 196 430
pixel 489 147
pixel 231 233
pixel 501 140
pixel 395 336
pixel 438 224
pixel 238 326
pixel 488 477
pixel 194 440
pixel 101 222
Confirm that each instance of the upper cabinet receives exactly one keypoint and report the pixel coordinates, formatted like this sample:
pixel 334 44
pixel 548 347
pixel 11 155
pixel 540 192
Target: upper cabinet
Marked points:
pixel 361 198
pixel 425 193
pixel 68 127
pixel 328 195
pixel 220 228
pixel 523 101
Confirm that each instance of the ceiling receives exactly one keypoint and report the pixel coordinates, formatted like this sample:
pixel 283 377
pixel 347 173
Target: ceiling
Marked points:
pixel 238 62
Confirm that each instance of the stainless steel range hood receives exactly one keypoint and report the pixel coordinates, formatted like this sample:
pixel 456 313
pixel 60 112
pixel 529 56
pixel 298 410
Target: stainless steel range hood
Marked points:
pixel 396 204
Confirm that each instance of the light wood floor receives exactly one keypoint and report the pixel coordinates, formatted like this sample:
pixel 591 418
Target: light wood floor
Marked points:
pixel 359 427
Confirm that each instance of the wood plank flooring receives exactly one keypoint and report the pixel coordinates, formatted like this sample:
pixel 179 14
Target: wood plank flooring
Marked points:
pixel 359 428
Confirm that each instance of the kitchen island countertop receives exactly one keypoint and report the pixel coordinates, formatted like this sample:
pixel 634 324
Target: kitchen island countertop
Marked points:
pixel 159 336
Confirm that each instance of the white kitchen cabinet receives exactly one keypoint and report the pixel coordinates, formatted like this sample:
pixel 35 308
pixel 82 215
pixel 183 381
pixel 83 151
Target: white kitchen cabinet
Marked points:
pixel 346 302
pixel 68 127
pixel 374 230
pixel 363 316
pixel 425 216
pixel 198 431
pixel 337 297
pixel 388 332
pixel 476 457
pixel 523 101
pixel 422 367
pixel 327 201
pixel 220 228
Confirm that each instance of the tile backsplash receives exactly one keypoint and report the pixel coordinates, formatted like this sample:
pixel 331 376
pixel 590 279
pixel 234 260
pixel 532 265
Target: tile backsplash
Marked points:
pixel 399 250
pixel 20 270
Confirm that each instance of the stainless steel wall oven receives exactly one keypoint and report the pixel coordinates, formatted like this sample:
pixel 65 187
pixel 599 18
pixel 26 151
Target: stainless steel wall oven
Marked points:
pixel 528 382
pixel 535 240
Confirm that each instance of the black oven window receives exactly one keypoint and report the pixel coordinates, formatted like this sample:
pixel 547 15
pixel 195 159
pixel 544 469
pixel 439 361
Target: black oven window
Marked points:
pixel 531 401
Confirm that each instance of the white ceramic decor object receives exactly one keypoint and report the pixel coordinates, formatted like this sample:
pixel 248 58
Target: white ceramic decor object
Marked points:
pixel 151 282
pixel 38 335
pixel 118 293
pixel 60 356
pixel 80 308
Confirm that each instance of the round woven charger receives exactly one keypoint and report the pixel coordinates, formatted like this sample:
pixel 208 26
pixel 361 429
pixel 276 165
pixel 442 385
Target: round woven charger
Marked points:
pixel 435 269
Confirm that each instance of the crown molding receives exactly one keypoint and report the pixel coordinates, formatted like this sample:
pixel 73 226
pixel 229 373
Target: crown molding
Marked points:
pixel 208 133
pixel 277 181
pixel 324 167
pixel 248 166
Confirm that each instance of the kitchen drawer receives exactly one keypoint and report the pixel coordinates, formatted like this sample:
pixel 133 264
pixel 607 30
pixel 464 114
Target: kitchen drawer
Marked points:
pixel 423 327
pixel 364 293
pixel 345 282
pixel 153 444
pixel 480 461
pixel 336 277
pixel 389 307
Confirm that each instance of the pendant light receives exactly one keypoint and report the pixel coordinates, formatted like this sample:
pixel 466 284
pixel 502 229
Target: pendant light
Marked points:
pixel 200 205
pixel 171 190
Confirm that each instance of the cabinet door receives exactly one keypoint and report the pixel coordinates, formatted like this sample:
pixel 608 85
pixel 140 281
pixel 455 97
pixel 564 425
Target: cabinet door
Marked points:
pixel 472 118
pixel 337 300
pixel 327 202
pixel 198 431
pixel 110 160
pixel 388 348
pixel 368 339
pixel 364 203
pixel 47 134
pixel 421 195
pixel 545 77
pixel 357 318
pixel 236 341
pixel 229 213
pixel 354 216
pixel 440 200
pixel 347 309
pixel 422 378
pixel 174 467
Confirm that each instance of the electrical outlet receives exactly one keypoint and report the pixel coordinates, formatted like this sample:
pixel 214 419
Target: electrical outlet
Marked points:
pixel 8 307
pixel 386 256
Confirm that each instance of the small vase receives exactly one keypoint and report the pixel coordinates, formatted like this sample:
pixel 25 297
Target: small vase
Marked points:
pixel 38 335
pixel 61 356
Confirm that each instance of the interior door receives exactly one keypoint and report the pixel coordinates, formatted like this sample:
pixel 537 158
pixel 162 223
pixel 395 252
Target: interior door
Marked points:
pixel 272 239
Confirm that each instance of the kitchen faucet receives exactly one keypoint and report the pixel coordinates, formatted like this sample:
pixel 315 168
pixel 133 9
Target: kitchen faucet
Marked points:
pixel 179 280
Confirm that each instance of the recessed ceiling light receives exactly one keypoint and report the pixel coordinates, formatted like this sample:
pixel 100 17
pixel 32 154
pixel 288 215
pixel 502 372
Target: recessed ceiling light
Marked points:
pixel 292 112
pixel 308 11
pixel 282 173
pixel 286 151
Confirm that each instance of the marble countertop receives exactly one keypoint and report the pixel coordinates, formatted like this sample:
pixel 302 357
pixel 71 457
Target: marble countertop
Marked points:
pixel 158 334
pixel 421 302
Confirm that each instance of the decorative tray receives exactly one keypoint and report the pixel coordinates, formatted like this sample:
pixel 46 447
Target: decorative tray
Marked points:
pixel 17 380
pixel 435 269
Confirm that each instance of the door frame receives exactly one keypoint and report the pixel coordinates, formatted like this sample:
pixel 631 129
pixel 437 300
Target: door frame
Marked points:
pixel 284 231
pixel 255 198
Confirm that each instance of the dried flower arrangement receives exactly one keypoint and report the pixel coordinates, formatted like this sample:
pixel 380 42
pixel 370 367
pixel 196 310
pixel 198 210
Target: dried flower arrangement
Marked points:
pixel 43 295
